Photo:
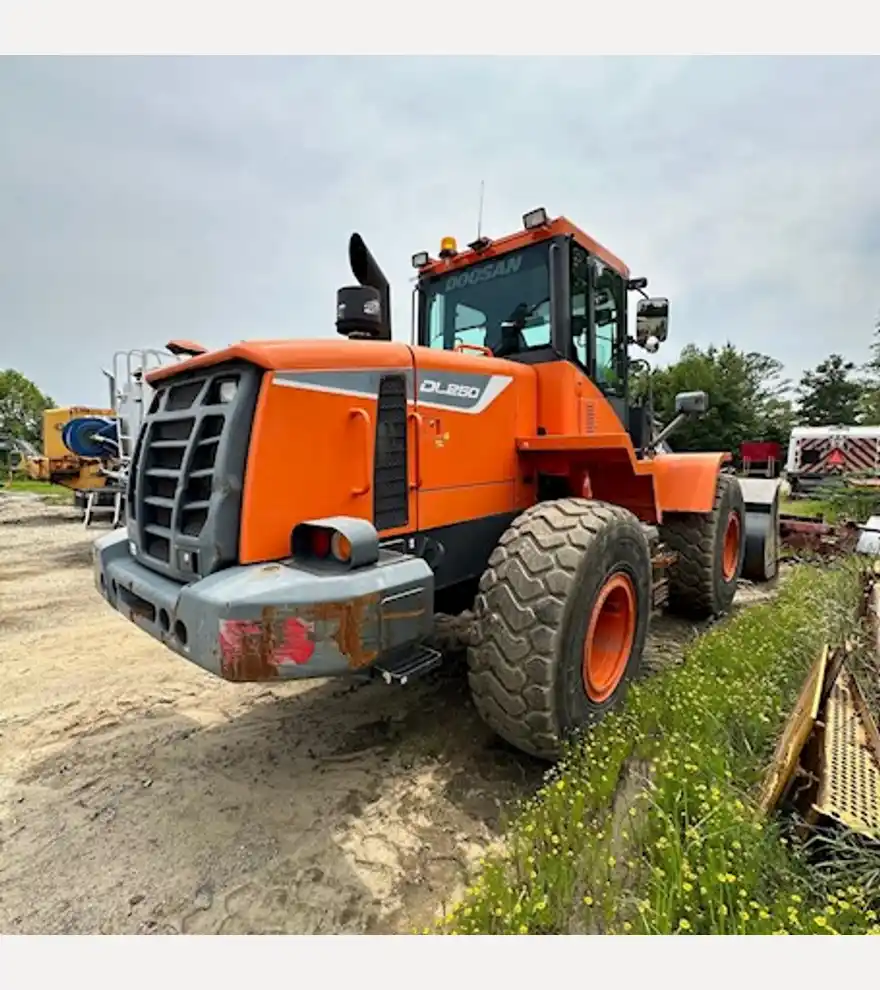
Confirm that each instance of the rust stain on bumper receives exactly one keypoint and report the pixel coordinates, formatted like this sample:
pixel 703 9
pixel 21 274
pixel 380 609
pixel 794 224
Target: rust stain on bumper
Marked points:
pixel 349 617
pixel 253 650
pixel 246 650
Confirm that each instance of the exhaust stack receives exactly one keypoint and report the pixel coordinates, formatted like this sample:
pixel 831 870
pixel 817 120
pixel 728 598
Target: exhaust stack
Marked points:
pixel 368 273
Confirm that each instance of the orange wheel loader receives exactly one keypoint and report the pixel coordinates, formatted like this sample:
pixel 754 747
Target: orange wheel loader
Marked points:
pixel 304 508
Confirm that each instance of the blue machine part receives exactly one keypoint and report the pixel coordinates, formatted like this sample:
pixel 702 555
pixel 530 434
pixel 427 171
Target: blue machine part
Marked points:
pixel 90 436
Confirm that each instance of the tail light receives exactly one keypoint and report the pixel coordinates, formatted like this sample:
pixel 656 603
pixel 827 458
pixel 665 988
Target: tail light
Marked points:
pixel 323 542
pixel 341 540
pixel 340 548
pixel 319 542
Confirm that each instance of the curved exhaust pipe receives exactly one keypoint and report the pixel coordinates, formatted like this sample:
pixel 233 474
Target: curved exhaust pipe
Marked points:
pixel 366 270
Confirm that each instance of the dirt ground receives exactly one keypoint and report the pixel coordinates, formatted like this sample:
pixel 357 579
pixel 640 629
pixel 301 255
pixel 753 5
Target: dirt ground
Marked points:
pixel 139 794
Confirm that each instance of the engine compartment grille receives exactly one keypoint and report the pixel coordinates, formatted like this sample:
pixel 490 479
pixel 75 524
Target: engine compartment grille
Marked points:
pixel 187 472
pixel 390 488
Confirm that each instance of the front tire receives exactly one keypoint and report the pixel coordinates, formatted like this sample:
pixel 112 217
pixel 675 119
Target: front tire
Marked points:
pixel 561 618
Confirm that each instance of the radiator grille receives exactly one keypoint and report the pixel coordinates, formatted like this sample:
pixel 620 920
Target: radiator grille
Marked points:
pixel 187 473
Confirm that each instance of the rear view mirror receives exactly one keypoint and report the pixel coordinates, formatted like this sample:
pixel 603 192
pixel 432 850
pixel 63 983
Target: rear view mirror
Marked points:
pixel 652 320
pixel 691 403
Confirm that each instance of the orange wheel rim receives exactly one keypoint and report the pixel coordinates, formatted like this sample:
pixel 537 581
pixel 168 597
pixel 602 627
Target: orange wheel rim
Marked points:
pixel 610 634
pixel 730 553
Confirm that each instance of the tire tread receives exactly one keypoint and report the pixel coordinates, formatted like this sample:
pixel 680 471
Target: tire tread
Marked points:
pixel 522 595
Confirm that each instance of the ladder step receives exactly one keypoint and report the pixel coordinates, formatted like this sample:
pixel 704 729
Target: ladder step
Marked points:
pixel 423 660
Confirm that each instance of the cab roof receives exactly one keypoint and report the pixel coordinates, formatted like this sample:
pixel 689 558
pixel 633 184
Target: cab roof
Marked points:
pixel 560 226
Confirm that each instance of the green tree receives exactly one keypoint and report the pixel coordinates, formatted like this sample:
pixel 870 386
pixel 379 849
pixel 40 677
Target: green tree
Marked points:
pixel 748 397
pixel 830 395
pixel 21 407
pixel 869 403
pixel 769 399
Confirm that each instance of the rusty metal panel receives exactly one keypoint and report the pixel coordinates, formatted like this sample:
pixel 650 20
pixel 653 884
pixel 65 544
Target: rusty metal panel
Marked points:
pixel 849 786
pixel 795 734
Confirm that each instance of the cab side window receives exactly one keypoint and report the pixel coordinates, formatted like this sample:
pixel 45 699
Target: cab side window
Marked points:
pixel 598 332
pixel 470 325
pixel 609 331
pixel 579 312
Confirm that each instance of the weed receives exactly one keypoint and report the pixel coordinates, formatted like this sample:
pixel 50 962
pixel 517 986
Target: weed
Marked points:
pixel 689 853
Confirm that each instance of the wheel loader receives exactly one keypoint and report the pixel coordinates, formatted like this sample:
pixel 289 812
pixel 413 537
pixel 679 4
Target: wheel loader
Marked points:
pixel 305 508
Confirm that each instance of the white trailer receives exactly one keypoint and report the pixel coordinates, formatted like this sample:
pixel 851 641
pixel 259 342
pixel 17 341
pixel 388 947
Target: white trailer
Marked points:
pixel 818 454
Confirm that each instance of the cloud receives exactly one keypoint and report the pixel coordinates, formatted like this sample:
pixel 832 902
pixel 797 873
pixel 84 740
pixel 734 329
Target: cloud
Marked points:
pixel 212 198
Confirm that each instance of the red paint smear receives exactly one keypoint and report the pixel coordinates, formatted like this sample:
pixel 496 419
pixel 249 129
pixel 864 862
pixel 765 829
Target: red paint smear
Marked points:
pixel 296 645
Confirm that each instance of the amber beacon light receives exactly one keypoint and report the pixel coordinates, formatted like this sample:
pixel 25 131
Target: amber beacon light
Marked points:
pixel 448 247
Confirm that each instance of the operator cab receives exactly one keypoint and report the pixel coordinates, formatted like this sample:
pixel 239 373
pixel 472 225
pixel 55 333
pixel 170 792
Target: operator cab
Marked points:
pixel 546 293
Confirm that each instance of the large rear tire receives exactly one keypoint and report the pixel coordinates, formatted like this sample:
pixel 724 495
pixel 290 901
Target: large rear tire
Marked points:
pixel 560 621
pixel 710 548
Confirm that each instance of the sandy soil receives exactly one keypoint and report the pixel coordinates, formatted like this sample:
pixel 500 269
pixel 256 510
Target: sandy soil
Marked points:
pixel 139 794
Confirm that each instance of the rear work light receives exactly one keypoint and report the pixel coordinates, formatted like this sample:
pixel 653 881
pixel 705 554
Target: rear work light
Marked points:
pixel 340 540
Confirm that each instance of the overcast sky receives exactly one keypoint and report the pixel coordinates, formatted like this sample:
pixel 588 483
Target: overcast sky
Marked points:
pixel 143 199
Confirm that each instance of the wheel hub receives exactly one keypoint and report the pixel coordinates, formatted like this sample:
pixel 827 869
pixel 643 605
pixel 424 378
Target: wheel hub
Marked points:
pixel 731 547
pixel 609 639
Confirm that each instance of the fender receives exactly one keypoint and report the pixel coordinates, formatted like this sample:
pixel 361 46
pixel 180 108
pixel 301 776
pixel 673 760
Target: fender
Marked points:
pixel 686 482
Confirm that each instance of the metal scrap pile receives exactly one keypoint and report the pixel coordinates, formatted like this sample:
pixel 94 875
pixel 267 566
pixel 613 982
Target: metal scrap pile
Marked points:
pixel 811 536
pixel 827 763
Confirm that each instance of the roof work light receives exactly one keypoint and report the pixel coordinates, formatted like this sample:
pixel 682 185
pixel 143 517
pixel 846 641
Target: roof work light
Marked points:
pixel 535 218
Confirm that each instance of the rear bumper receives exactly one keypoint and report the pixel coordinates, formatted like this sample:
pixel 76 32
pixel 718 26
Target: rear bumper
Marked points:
pixel 265 622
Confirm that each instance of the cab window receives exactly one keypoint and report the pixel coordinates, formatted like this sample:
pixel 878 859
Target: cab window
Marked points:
pixel 470 324
pixel 610 329
pixel 599 343
pixel 502 303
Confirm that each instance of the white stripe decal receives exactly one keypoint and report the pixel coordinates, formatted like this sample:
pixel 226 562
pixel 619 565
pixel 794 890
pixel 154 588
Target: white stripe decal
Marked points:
pixel 327 389
pixel 497 384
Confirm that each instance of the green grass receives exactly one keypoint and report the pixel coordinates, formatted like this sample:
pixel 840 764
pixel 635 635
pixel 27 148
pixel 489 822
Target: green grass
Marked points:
pixel 838 502
pixel 687 850
pixel 804 507
pixel 37 487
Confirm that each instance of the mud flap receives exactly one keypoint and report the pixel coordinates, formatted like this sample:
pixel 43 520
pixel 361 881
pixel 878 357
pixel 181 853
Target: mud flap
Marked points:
pixel 761 497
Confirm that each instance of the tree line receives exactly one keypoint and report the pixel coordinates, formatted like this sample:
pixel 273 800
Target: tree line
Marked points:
pixel 750 398
pixel 22 405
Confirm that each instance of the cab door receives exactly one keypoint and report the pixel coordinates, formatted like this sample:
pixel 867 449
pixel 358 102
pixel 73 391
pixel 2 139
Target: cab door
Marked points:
pixel 599 330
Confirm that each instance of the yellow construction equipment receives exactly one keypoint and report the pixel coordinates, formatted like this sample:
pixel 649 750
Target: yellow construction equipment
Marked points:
pixel 57 464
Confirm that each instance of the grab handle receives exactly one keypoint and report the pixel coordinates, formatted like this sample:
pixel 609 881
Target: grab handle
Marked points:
pixel 364 417
pixel 415 477
pixel 475 347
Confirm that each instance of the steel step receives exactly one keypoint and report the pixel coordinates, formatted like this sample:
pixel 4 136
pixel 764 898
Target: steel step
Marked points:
pixel 422 661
